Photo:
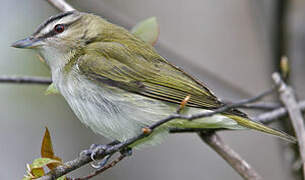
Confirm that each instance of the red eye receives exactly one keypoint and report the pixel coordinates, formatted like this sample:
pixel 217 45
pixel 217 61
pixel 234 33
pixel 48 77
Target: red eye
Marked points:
pixel 59 28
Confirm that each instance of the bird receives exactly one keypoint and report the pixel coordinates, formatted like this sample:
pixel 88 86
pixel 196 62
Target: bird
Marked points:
pixel 117 84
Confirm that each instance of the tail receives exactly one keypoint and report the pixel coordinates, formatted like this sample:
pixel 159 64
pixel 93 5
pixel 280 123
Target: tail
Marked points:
pixel 260 127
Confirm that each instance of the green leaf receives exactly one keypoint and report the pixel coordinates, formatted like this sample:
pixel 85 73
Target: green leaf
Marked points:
pixel 27 178
pixel 147 30
pixel 37 172
pixel 35 169
pixel 51 90
pixel 40 162
pixel 62 178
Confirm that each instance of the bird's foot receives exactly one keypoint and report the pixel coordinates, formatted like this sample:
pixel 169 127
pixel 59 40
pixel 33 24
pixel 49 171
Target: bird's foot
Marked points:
pixel 93 151
pixel 97 149
pixel 100 148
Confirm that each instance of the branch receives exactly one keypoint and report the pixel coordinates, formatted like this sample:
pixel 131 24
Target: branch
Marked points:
pixel 85 159
pixel 25 80
pixel 287 97
pixel 268 117
pixel 61 5
pixel 261 106
pixel 238 163
pixel 264 118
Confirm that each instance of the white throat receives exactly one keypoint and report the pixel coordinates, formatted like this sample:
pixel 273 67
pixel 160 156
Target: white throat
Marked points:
pixel 56 59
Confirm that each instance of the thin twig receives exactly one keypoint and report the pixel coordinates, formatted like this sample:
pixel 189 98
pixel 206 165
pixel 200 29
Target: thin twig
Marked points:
pixel 187 130
pixel 264 118
pixel 25 80
pixel 288 98
pixel 268 117
pixel 215 111
pixel 104 168
pixel 262 106
pixel 61 5
pixel 238 163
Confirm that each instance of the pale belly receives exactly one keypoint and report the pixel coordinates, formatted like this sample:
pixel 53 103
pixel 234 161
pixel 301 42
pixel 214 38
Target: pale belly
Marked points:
pixel 120 115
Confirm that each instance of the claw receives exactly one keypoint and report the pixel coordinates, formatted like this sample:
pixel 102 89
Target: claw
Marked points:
pixel 102 163
pixel 97 149
pixel 88 152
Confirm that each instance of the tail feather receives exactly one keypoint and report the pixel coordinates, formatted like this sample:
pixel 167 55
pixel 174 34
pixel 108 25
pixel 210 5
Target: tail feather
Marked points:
pixel 260 127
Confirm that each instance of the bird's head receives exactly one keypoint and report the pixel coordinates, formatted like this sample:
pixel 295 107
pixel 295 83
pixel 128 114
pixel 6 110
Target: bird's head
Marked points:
pixel 63 35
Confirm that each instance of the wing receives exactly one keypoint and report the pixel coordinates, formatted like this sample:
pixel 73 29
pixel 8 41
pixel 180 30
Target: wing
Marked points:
pixel 145 72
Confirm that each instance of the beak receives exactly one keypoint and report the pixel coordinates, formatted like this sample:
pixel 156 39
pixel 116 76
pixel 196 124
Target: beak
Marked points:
pixel 29 42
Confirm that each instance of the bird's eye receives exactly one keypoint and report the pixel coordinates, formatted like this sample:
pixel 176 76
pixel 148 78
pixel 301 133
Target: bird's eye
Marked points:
pixel 59 28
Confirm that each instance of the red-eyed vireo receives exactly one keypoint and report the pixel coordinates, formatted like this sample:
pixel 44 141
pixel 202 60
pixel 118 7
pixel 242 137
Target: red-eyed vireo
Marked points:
pixel 117 84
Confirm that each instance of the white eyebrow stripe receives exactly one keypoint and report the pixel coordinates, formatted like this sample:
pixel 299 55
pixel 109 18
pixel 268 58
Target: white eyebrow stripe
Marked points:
pixel 47 29
pixel 64 18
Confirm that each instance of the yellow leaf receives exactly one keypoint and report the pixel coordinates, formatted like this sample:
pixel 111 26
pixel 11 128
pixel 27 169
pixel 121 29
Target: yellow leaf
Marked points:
pixel 46 145
pixel 147 30
pixel 47 150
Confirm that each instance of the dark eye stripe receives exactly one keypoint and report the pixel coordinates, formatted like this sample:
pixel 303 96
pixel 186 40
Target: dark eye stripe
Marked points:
pixel 53 33
pixel 52 19
pixel 49 34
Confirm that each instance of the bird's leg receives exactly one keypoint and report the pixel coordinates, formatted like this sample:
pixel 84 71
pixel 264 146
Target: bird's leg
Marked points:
pixel 97 165
pixel 95 149
pixel 88 152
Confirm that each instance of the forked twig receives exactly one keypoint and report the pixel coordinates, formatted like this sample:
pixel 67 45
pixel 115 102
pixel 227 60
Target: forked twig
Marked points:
pixel 288 98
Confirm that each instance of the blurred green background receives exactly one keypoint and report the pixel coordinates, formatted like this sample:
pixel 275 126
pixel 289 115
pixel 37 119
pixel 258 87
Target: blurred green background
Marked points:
pixel 227 44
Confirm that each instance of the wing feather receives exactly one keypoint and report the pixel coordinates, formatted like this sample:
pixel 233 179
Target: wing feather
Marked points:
pixel 147 74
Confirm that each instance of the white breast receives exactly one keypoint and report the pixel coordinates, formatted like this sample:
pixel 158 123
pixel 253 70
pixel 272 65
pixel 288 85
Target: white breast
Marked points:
pixel 114 113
